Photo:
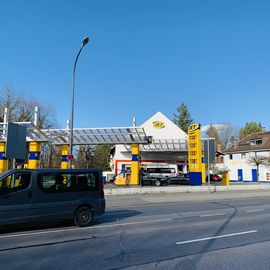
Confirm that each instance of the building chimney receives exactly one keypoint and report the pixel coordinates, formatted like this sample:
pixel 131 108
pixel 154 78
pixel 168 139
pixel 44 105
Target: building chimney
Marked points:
pixel 235 144
pixel 219 158
pixel 219 147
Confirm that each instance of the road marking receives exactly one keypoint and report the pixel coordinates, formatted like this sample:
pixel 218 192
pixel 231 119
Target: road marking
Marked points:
pixel 254 210
pixel 212 215
pixel 243 203
pixel 214 237
pixel 85 228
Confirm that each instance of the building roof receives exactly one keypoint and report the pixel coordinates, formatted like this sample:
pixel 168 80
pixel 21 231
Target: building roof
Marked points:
pixel 254 142
pixel 162 128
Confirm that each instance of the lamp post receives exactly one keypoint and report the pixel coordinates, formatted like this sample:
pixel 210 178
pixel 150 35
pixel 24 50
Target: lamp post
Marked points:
pixel 84 42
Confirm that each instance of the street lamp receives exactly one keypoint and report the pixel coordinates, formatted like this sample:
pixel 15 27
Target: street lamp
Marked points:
pixel 84 42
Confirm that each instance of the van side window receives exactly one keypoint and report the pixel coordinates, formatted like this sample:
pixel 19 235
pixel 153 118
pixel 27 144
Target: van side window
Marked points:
pixel 87 181
pixel 73 182
pixel 15 182
pixel 57 182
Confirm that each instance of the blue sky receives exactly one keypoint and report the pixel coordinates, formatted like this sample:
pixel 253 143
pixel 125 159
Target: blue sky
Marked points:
pixel 144 56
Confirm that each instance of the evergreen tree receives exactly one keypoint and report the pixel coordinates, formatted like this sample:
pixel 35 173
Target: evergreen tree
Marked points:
pixel 250 128
pixel 183 117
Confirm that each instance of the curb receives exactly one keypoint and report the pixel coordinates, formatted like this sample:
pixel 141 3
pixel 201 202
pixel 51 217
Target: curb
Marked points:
pixel 183 189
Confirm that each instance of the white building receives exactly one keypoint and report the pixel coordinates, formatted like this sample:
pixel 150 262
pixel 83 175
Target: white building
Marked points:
pixel 237 158
pixel 169 146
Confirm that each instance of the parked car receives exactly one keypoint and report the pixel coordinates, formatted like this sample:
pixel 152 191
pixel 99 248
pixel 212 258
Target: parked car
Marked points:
pixel 214 178
pixel 150 180
pixel 28 196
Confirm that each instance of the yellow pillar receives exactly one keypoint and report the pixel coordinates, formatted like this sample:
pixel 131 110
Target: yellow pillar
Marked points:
pixel 34 155
pixel 64 153
pixel 135 165
pixel 3 159
pixel 225 179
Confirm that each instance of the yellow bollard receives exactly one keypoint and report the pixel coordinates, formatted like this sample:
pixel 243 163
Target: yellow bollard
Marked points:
pixel 225 179
pixel 34 155
pixel 3 159
pixel 203 174
pixel 64 153
pixel 135 165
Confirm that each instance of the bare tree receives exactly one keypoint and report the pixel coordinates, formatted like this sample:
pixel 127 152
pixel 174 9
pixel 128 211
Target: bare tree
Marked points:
pixel 50 156
pixel 227 134
pixel 22 109
pixel 85 156
pixel 212 132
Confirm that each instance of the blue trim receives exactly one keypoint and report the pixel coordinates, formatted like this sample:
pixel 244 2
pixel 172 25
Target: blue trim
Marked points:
pixel 34 155
pixel 135 157
pixel 64 159
pixel 3 156
pixel 248 181
pixel 195 178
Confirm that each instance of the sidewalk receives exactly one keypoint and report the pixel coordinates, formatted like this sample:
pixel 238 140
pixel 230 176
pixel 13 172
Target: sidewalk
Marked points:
pixel 171 198
pixel 129 190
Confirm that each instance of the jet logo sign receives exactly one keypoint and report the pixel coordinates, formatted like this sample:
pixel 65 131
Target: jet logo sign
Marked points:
pixel 158 124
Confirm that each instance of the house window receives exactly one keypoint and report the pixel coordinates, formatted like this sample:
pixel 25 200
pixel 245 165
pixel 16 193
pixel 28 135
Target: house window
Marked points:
pixel 231 156
pixel 256 142
pixel 243 156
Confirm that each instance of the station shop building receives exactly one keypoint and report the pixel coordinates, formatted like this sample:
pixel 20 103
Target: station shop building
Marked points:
pixel 168 147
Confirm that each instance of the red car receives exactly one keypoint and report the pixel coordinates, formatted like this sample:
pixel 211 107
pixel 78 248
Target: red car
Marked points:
pixel 214 178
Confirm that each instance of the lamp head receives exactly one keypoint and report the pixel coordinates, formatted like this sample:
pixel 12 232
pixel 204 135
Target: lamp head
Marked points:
pixel 85 41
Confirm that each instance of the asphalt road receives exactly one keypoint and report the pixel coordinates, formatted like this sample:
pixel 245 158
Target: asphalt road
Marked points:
pixel 207 235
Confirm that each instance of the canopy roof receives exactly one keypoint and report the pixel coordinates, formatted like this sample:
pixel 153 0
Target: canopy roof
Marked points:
pixel 162 145
pixel 82 136
pixel 94 136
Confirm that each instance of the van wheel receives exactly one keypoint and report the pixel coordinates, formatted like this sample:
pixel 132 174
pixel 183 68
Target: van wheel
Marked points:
pixel 157 183
pixel 83 216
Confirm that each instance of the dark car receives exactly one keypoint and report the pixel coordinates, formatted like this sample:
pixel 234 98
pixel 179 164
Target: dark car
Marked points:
pixel 181 179
pixel 51 195
pixel 150 180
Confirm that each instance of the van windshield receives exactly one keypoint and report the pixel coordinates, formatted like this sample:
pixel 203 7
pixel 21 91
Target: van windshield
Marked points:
pixel 14 182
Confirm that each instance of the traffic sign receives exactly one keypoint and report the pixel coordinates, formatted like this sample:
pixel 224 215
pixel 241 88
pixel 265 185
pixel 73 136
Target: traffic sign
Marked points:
pixel 70 157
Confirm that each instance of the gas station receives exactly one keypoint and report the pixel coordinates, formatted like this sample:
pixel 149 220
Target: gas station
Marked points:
pixel 157 142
